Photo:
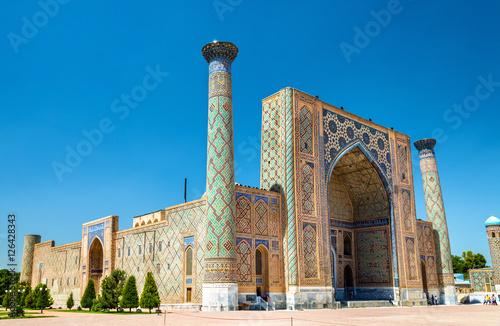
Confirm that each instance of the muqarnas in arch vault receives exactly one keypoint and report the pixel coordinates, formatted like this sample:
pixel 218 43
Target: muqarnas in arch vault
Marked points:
pixel 334 218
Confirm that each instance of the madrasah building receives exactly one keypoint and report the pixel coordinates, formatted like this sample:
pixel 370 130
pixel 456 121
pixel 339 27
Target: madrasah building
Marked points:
pixel 334 217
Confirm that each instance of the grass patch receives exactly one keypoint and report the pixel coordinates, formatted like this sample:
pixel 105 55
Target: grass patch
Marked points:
pixel 27 316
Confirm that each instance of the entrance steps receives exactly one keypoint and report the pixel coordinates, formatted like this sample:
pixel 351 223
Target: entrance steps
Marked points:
pixel 382 303
pixel 368 303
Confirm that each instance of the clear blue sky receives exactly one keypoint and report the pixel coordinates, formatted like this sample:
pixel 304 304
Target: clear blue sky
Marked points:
pixel 64 73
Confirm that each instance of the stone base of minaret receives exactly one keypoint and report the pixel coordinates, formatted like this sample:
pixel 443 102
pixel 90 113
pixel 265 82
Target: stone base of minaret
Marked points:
pixel 448 295
pixel 220 297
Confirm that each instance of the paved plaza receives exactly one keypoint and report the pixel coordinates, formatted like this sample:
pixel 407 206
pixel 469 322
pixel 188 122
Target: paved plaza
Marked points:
pixel 440 315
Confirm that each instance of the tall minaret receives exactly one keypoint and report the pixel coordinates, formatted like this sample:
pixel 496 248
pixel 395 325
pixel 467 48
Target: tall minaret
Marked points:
pixel 492 225
pixel 435 213
pixel 220 288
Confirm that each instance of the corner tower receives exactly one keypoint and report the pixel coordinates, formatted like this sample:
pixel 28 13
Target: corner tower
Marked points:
pixel 220 288
pixel 435 213
pixel 492 225
pixel 30 240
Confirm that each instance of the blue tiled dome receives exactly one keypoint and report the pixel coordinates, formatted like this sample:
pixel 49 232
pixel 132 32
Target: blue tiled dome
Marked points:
pixel 492 220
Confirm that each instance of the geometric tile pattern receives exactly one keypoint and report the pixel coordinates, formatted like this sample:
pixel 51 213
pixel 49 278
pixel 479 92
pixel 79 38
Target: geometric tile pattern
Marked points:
pixel 477 279
pixel 493 233
pixel 243 215
pixel 431 271
pixel 274 223
pixel 286 103
pixel 310 256
pixel 307 189
pixel 427 252
pixel 271 162
pixel 167 265
pixel 60 271
pixel 410 259
pixel 220 242
pixel 435 208
pixel 305 131
pixel 373 257
pixel 402 162
pixel 244 262
pixel 261 218
pixel 339 132
pixel 406 211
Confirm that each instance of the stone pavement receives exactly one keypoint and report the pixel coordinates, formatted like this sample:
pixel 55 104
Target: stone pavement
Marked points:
pixel 436 316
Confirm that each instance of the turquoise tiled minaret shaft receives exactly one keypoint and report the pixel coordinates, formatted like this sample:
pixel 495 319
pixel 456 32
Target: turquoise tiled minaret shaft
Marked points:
pixel 435 213
pixel 220 287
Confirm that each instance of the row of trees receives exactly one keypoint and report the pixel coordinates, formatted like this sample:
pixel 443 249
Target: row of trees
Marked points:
pixel 37 298
pixel 468 260
pixel 116 293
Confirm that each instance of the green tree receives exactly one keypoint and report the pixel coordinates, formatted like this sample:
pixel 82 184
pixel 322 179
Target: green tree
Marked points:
pixel 88 295
pixel 120 277
pixel 96 304
pixel 70 302
pixel 149 297
pixel 109 295
pixel 130 297
pixel 473 261
pixel 27 290
pixel 6 280
pixel 6 300
pixel 29 300
pixel 42 296
pixel 458 264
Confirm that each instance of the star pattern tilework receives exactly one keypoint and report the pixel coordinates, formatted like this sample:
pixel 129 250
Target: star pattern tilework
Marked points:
pixel 339 132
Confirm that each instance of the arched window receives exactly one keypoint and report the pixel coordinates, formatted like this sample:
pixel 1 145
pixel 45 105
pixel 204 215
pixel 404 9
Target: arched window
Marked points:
pixel 189 261
pixel 258 262
pixel 492 234
pixel 137 224
pixel 347 246
pixel 143 223
pixel 306 131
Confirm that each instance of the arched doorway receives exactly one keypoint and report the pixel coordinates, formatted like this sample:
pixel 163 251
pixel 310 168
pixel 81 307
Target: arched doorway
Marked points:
pixel 261 270
pixel 360 210
pixel 96 256
pixel 424 279
pixel 348 282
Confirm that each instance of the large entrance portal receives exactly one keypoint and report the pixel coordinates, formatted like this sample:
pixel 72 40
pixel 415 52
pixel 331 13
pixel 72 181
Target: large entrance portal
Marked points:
pixel 96 255
pixel 359 212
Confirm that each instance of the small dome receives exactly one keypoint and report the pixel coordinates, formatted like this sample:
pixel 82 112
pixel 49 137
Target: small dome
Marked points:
pixel 492 220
